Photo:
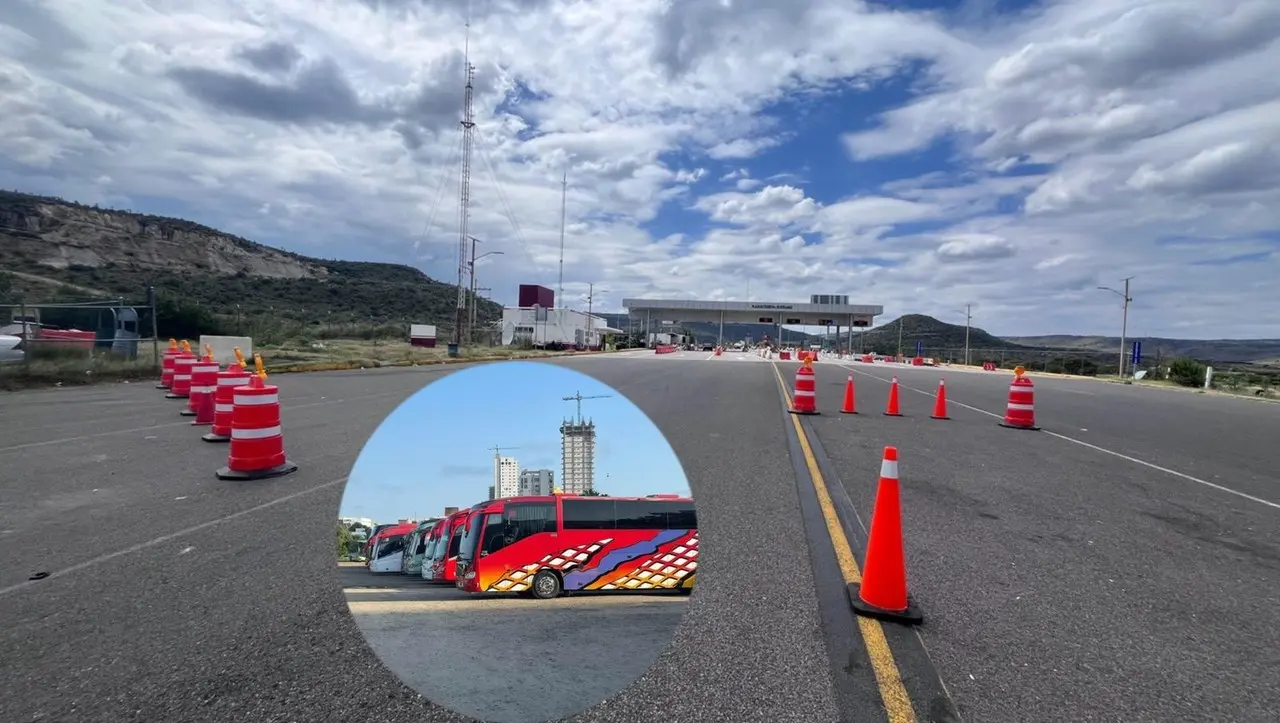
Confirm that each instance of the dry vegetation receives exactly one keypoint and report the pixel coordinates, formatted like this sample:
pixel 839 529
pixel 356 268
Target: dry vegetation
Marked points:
pixel 58 365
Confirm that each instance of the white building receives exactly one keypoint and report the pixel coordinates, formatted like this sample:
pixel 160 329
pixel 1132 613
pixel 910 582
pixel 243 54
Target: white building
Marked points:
pixel 506 476
pixel 542 327
pixel 535 482
pixel 577 457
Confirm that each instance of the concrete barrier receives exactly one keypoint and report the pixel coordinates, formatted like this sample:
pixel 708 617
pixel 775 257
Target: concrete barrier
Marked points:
pixel 224 347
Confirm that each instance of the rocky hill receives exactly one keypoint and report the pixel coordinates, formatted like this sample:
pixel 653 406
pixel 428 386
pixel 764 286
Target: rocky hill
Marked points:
pixel 52 250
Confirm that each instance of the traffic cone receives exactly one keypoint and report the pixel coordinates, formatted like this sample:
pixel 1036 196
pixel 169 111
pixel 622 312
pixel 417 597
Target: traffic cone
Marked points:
pixel 882 593
pixel 940 402
pixel 891 410
pixel 849 404
pixel 805 395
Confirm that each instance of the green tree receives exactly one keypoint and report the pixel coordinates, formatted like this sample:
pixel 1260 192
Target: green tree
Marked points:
pixel 344 540
pixel 6 284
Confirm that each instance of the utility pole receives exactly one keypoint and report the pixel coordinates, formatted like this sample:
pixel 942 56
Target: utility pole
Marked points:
pixel 900 318
pixel 1124 319
pixel 590 299
pixel 471 320
pixel 968 318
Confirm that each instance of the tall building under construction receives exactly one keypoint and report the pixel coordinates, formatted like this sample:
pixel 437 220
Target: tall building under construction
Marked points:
pixel 577 456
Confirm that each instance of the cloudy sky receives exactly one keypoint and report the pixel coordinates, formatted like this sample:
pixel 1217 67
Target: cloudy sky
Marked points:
pixel 918 155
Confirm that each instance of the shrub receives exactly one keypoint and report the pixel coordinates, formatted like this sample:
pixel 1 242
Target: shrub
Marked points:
pixel 1186 372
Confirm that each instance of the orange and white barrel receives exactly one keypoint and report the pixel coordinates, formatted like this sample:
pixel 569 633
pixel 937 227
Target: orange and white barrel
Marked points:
pixel 1020 412
pixel 257 439
pixel 204 382
pixel 181 388
pixel 224 402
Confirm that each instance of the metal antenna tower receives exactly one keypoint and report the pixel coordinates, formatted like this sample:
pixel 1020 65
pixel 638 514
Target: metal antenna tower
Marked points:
pixel 464 201
pixel 577 397
pixel 564 195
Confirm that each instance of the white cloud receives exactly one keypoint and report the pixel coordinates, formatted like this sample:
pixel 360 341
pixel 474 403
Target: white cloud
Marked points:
pixel 331 128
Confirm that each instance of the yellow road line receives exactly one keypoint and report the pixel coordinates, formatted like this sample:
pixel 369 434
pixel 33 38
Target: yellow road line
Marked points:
pixel 893 692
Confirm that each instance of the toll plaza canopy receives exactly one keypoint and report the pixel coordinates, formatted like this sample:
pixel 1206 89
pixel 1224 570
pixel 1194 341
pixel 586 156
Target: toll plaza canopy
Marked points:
pixel 840 314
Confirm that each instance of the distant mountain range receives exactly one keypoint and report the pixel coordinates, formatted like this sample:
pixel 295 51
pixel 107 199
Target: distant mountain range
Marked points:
pixel 936 337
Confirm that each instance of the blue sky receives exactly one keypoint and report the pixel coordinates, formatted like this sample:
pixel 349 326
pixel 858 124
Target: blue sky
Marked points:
pixel 922 156
pixel 436 449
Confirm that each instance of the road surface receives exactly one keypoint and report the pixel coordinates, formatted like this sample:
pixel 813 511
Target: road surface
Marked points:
pixel 1121 564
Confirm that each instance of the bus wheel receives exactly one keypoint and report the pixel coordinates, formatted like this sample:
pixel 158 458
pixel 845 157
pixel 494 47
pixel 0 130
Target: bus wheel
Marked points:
pixel 546 585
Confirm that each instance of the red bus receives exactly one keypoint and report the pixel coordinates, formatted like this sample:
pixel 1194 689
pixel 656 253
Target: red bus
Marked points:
pixel 386 549
pixel 543 546
pixel 442 562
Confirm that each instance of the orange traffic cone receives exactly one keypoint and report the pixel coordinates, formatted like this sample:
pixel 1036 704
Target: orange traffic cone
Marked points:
pixel 940 402
pixel 892 409
pixel 883 591
pixel 848 406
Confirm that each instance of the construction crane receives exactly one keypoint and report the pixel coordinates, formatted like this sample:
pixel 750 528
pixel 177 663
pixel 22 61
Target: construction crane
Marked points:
pixel 497 451
pixel 577 397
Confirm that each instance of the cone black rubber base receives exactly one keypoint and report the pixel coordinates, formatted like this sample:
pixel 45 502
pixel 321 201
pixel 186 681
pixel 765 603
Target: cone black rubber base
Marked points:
pixel 161 386
pixel 1032 428
pixel 934 417
pixel 844 412
pixel 279 471
pixel 171 395
pixel 187 413
pixel 202 424
pixel 797 411
pixel 887 414
pixel 211 437
pixel 910 616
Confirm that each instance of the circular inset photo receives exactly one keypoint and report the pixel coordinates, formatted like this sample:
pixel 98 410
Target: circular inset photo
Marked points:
pixel 517 542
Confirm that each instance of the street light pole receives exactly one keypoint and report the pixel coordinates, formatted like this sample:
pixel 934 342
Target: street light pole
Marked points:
pixel 900 318
pixel 968 318
pixel 1124 319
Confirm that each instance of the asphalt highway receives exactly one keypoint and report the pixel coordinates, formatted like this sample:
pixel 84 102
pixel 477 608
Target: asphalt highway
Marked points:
pixel 1060 582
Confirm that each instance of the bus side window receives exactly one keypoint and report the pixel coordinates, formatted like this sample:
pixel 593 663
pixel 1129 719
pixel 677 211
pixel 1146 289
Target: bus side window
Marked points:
pixel 494 539
pixel 524 519
pixel 590 514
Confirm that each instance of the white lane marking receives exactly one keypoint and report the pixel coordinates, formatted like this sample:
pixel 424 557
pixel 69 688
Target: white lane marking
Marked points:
pixel 115 432
pixel 166 538
pixel 1094 447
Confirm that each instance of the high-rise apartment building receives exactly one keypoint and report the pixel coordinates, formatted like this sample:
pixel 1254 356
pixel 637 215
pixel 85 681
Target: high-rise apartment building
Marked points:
pixel 577 457
pixel 506 476
pixel 534 482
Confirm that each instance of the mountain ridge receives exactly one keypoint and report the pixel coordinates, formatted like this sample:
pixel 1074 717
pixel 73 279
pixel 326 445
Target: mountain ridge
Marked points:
pixel 54 249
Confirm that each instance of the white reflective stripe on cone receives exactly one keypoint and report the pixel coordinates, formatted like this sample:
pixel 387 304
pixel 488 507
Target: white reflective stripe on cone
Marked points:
pixel 1022 407
pixel 182 377
pixel 233 381
pixel 266 433
pixel 246 400
pixel 801 393
pixel 202 390
pixel 224 407
pixel 888 469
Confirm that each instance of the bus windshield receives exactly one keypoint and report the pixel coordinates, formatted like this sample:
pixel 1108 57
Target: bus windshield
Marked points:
pixel 389 546
pixel 470 536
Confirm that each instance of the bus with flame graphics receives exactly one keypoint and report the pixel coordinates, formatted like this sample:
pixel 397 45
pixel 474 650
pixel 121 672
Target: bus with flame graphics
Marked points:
pixel 544 546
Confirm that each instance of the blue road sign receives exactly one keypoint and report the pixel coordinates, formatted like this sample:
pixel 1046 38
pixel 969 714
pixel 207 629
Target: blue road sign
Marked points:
pixel 1137 353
